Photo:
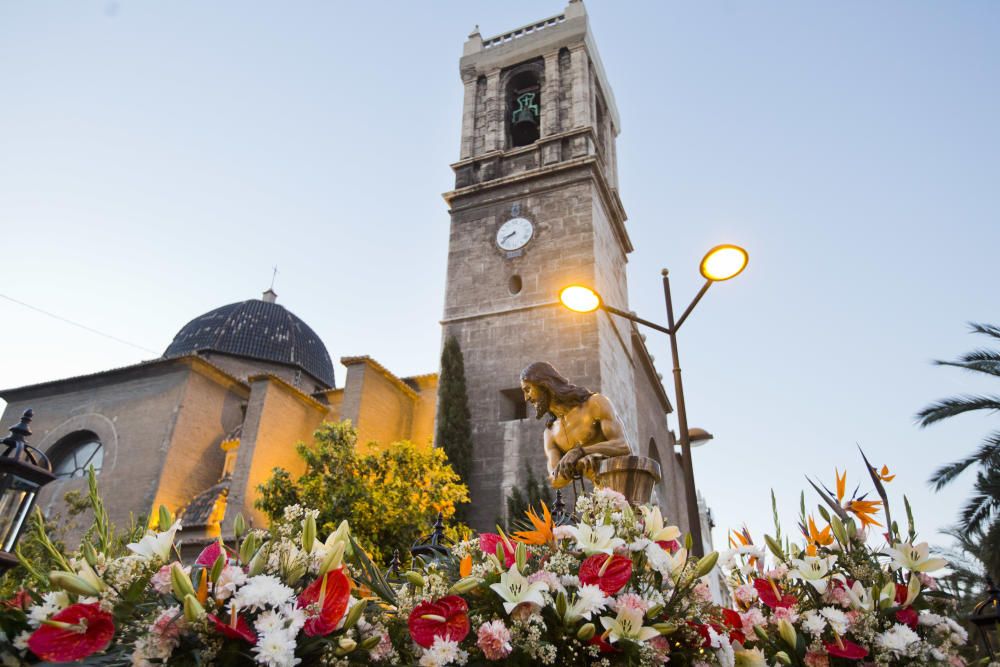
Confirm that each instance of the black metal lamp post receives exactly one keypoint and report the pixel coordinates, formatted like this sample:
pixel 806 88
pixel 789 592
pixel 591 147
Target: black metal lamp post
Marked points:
pixel 986 618
pixel 720 263
pixel 434 546
pixel 23 471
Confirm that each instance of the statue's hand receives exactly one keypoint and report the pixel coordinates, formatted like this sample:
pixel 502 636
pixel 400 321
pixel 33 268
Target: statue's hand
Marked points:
pixel 588 465
pixel 567 467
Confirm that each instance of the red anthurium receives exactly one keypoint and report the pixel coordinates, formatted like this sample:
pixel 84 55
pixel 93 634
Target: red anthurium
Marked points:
pixel 901 593
pixel 488 543
pixel 209 555
pixel 447 618
pixel 846 649
pixel 603 644
pixel 331 600
pixel 609 573
pixel 734 622
pixel 673 546
pixel 240 630
pixel 908 617
pixel 82 630
pixel 770 594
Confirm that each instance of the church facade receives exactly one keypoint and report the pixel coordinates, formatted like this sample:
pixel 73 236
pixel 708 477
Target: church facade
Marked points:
pixel 535 207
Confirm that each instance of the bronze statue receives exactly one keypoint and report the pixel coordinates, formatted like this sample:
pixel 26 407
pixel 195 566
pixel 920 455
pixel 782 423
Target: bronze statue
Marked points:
pixel 581 427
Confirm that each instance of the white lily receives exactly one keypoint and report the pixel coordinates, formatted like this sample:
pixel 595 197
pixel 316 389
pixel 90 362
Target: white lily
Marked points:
pixel 666 563
pixel 628 625
pixel 515 589
pixel 814 570
pixel 596 539
pixel 915 558
pixel 860 598
pixel 156 546
pixel 653 525
pixel 588 600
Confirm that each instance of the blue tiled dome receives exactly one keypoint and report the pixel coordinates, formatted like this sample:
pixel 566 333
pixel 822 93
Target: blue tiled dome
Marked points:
pixel 256 329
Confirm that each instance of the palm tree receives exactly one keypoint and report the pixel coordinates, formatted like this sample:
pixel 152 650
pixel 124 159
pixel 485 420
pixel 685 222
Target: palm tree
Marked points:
pixel 980 517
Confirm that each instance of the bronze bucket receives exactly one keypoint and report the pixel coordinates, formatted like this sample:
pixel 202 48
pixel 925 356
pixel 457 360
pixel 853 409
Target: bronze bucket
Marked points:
pixel 632 476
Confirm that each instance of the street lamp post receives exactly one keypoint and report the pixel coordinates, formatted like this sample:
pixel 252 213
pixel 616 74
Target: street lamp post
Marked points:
pixel 720 263
pixel 23 472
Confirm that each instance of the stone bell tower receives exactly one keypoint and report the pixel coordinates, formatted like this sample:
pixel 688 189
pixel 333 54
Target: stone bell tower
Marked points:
pixel 535 208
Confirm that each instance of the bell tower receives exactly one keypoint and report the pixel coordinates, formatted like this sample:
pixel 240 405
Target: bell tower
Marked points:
pixel 535 207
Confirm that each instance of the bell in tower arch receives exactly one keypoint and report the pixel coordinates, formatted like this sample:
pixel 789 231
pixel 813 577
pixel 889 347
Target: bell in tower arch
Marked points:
pixel 524 118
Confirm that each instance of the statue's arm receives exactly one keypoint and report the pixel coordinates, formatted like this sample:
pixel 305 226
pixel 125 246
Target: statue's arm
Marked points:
pixel 602 411
pixel 554 456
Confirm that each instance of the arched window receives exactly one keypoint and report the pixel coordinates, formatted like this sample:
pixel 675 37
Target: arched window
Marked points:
pixel 524 105
pixel 76 452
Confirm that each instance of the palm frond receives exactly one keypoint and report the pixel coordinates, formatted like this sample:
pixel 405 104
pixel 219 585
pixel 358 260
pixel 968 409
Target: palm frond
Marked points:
pixel 988 455
pixel 985 329
pixel 950 407
pixel 988 366
pixel 984 505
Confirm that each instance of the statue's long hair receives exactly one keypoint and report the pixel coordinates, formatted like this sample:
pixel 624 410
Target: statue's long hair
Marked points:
pixel 560 389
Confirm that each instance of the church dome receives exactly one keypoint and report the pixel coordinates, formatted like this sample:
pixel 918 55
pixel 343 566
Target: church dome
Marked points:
pixel 256 329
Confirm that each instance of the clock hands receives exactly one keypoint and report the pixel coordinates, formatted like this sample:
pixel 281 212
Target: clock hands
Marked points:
pixel 508 236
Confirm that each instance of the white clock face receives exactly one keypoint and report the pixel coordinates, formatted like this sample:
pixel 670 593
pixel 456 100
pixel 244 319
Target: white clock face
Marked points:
pixel 515 233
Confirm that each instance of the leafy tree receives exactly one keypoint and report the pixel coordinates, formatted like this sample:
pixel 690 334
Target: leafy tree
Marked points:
pixel 980 517
pixel 518 502
pixel 390 497
pixel 454 430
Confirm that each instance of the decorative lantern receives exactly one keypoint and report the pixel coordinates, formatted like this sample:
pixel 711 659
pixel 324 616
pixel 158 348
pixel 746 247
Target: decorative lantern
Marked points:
pixel 23 471
pixel 434 546
pixel 986 618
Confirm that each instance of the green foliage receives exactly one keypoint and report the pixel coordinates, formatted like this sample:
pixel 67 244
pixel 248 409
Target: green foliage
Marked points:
pixel 980 517
pixel 454 430
pixel 391 497
pixel 533 495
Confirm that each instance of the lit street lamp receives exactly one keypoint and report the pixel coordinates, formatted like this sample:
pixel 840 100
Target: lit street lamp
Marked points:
pixel 720 263
pixel 23 471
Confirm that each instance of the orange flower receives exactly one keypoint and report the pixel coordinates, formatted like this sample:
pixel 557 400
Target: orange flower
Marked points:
pixel 841 484
pixel 884 475
pixel 542 534
pixel 465 567
pixel 743 538
pixel 865 511
pixel 817 538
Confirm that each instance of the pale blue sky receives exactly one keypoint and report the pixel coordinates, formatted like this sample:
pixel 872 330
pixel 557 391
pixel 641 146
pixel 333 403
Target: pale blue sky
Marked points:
pixel 156 159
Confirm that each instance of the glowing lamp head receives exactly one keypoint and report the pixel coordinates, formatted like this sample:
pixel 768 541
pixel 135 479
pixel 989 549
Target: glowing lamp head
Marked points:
pixel 580 299
pixel 724 262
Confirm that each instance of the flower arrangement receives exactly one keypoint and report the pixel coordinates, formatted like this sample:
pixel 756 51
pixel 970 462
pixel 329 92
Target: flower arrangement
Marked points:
pixel 840 597
pixel 615 585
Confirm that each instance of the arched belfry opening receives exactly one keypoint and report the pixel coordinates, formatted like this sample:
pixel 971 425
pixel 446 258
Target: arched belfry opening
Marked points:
pixel 524 106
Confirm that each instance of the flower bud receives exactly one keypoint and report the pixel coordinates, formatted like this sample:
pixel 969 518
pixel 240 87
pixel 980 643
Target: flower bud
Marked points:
pixel 465 585
pixel 87 574
pixel 775 548
pixel 414 578
pixel 654 611
pixel 521 556
pixel 239 526
pixel 354 615
pixel 838 529
pixel 180 582
pixel 787 632
pixel 89 553
pixel 761 633
pixel 501 554
pixel 887 596
pixel 345 645
pixel 333 559
pixel 72 583
pixel 705 564
pixel 258 562
pixel 783 658
pixel 665 628
pixel 164 519
pixel 308 533
pixel 586 632
pixel 561 604
pixel 217 566
pixel 192 609
pixel 248 548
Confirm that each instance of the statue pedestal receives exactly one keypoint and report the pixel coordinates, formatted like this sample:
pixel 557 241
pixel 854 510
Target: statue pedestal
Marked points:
pixel 632 476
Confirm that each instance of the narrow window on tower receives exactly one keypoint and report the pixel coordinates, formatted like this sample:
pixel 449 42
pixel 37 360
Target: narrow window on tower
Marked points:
pixel 524 103
pixel 513 406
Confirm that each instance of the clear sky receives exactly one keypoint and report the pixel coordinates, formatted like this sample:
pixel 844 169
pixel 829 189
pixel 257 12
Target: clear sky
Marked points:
pixel 157 159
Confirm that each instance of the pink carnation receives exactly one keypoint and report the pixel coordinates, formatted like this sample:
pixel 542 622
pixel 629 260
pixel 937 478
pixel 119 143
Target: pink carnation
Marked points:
pixel 631 601
pixel 745 594
pixel 161 580
pixel 661 649
pixel 752 618
pixel 784 614
pixel 817 659
pixel 494 640
pixel 702 592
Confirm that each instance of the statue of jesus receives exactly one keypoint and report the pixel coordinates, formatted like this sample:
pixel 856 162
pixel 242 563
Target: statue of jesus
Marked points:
pixel 581 427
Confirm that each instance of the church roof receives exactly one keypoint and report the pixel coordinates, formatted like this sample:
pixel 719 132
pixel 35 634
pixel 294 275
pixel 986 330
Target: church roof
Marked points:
pixel 256 329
